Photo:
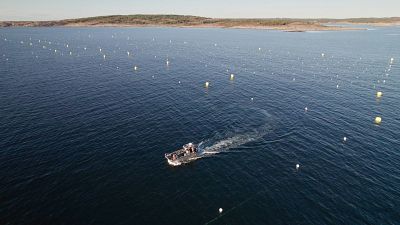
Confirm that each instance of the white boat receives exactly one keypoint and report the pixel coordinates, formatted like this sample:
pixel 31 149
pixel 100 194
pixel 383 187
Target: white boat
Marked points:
pixel 186 154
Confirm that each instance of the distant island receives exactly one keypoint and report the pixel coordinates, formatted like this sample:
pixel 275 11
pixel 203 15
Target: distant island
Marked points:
pixel 285 24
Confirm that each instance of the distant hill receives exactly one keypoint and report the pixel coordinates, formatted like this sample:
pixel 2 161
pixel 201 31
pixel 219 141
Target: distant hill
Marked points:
pixel 196 21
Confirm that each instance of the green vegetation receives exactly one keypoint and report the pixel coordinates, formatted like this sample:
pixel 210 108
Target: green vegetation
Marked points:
pixel 179 20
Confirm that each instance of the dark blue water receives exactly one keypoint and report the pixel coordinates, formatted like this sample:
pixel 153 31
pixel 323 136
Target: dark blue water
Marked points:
pixel 83 137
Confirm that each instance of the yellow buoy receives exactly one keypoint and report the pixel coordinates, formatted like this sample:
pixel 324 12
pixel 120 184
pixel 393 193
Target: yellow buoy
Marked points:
pixel 378 120
pixel 207 84
pixel 379 94
pixel 232 76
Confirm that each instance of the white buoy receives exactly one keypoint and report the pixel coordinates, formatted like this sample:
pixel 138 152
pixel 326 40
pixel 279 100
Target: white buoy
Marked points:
pixel 100 49
pixel 67 45
pixel 297 166
pixel 128 53
pixel 207 84
pixel 379 94
pixel 306 109
pixel 378 120
pixel 337 86
pixel 104 56
pixel 344 139
pixel 259 49
pixel 85 48
pixel 220 210
pixel 70 53
pixel 135 68
pixel 323 54
pixel 252 99
pixel 391 60
pixel 179 82
pixel 232 76
pixel 167 62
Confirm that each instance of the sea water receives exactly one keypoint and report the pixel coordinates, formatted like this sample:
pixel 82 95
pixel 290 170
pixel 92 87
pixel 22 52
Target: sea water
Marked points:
pixel 83 134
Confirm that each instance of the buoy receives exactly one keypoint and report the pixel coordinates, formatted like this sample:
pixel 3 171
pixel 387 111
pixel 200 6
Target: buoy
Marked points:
pixel 251 99
pixel 104 56
pixel 337 86
pixel 306 109
pixel 67 45
pixel 378 120
pixel 391 60
pixel 167 62
pixel 84 48
pixel 297 166
pixel 344 138
pixel 207 84
pixel 100 49
pixel 179 82
pixel 323 54
pixel 220 210
pixel 135 68
pixel 259 49
pixel 232 76
pixel 128 53
pixel 379 94
pixel 70 53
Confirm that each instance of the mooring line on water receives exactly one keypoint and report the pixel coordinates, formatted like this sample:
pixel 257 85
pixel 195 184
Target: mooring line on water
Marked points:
pixel 238 205
pixel 233 208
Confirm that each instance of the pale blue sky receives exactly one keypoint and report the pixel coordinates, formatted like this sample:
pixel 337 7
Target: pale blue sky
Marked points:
pixel 57 9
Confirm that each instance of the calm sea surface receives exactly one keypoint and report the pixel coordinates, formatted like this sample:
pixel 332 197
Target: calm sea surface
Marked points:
pixel 83 134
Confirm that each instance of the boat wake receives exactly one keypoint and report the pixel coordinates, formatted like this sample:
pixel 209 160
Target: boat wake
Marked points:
pixel 225 142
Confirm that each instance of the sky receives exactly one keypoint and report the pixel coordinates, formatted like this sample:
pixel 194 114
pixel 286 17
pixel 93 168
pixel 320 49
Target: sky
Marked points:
pixel 57 9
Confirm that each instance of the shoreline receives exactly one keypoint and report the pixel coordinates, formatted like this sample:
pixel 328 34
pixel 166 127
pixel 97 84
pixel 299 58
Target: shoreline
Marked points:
pixel 285 28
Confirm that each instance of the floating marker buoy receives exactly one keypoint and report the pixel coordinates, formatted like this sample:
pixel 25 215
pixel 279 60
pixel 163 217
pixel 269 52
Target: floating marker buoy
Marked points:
pixel 207 84
pixel 297 166
pixel 378 120
pixel 379 94
pixel 337 86
pixel 306 109
pixel 259 49
pixel 232 76
pixel 167 62
pixel 67 45
pixel 70 53
pixel 391 60
pixel 135 68
pixel 84 48
pixel 323 54
pixel 100 49
pixel 344 139
pixel 251 99
pixel 220 210
pixel 179 82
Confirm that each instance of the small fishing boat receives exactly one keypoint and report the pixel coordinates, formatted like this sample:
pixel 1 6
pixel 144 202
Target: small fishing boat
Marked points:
pixel 187 153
